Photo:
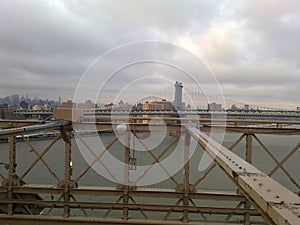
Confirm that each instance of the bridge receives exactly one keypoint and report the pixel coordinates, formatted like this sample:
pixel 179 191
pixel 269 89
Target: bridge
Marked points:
pixel 270 114
pixel 255 197
pixel 197 102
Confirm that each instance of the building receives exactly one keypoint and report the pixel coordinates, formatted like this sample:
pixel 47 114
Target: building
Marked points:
pixel 178 96
pixel 233 107
pixel 6 112
pixel 24 105
pixel 163 105
pixel 15 100
pixel 87 105
pixel 212 107
pixel 68 105
pixel 59 101
pixel 47 107
pixel 37 107
pixel 109 106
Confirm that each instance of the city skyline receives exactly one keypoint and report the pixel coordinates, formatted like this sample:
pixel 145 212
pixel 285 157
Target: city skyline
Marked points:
pixel 251 47
pixel 25 102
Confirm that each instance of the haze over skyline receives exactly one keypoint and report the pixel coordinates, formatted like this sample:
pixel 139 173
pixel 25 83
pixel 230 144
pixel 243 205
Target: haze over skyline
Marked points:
pixel 251 46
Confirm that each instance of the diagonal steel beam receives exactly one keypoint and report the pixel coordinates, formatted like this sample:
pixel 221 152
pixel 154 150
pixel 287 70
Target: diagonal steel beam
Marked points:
pixel 237 142
pixel 2 177
pixel 284 159
pixel 276 161
pixel 40 156
pixel 102 163
pixel 96 159
pixel 42 160
pixel 157 160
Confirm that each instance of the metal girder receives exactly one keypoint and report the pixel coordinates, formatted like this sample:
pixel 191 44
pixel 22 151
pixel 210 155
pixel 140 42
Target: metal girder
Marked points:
pixel 273 202
pixel 32 128
pixel 55 220
pixel 196 118
pixel 108 123
pixel 139 192
pixel 18 123
pixel 107 126
pixel 132 207
pixel 276 203
pixel 252 130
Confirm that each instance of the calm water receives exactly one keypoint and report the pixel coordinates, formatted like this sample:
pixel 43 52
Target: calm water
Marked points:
pixel 279 145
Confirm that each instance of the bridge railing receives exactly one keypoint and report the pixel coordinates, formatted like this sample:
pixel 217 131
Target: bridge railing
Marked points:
pixel 52 182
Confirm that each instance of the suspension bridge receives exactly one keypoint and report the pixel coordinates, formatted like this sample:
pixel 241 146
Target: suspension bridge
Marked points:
pixel 194 100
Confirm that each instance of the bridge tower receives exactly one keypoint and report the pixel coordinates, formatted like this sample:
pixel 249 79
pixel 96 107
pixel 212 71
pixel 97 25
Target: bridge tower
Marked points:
pixel 178 95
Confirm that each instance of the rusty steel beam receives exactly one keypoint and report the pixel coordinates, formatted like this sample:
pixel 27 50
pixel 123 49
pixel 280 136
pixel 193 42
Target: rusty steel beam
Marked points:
pixel 276 203
pixel 257 130
pixel 186 176
pixel 253 184
pixel 108 126
pixel 216 195
pixel 196 118
pixel 11 172
pixel 56 220
pixel 18 123
pixel 239 126
pixel 132 207
pixel 32 128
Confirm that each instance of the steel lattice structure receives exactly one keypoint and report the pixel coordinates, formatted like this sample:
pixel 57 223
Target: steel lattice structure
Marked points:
pixel 257 199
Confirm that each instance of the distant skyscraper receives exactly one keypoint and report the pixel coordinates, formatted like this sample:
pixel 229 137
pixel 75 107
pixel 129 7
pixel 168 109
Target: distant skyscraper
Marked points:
pixel 178 96
pixel 15 99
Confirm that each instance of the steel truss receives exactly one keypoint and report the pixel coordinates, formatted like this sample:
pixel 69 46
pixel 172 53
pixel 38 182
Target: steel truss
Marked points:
pixel 257 194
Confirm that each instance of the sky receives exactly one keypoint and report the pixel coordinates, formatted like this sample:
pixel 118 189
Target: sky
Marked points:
pixel 251 46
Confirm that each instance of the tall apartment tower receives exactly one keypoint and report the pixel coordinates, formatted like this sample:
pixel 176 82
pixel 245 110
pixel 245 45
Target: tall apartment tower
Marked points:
pixel 178 96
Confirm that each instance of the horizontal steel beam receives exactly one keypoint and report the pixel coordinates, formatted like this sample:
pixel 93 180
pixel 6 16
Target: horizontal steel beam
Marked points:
pixel 33 128
pixel 131 206
pixel 18 123
pixel 276 203
pixel 252 130
pixel 108 126
pixel 108 123
pixel 225 120
pixel 55 220
pixel 216 195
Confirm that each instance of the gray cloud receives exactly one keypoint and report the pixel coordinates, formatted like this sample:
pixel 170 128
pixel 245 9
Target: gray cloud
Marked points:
pixel 45 46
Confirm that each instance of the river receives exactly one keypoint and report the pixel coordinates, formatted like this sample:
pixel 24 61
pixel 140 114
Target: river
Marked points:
pixel 279 145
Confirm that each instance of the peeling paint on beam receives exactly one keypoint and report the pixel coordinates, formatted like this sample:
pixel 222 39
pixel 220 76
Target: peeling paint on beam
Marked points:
pixel 276 203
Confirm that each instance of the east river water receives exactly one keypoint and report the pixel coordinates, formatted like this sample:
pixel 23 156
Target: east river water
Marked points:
pixel 280 146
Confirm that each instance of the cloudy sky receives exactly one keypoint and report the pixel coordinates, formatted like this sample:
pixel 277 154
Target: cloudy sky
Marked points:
pixel 251 46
